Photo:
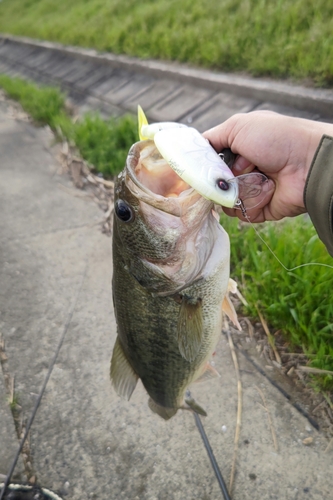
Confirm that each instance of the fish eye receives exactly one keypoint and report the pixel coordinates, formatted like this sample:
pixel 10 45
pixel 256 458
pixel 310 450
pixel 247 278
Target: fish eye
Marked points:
pixel 123 211
pixel 222 184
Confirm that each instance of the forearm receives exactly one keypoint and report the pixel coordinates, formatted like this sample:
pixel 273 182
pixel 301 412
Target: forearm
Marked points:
pixel 318 192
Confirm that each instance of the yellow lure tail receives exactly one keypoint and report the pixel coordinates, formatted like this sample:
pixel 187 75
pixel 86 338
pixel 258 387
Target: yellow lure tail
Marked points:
pixel 142 120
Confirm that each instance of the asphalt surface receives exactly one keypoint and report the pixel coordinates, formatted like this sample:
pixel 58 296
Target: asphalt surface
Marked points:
pixel 85 442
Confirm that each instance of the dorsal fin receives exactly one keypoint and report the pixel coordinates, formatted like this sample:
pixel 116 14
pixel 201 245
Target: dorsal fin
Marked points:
pixel 142 120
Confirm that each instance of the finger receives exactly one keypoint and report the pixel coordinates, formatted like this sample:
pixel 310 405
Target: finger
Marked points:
pixel 242 166
pixel 254 215
pixel 218 137
pixel 232 212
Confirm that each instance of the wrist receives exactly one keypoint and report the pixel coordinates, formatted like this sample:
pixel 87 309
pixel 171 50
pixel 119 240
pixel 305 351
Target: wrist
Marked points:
pixel 318 130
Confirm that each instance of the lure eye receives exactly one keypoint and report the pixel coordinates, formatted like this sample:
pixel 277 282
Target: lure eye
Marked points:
pixel 222 184
pixel 123 211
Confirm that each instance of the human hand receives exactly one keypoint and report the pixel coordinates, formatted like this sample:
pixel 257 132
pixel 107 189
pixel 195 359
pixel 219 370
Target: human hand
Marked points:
pixel 279 146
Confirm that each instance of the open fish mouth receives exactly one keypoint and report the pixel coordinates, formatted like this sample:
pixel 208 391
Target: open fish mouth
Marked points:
pixel 152 174
pixel 170 235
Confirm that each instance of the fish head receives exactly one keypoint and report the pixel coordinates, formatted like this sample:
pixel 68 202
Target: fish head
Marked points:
pixel 163 229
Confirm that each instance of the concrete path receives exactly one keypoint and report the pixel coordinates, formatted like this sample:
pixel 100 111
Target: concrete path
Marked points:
pixel 85 442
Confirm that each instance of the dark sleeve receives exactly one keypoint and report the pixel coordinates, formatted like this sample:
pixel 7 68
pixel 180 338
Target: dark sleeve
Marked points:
pixel 318 192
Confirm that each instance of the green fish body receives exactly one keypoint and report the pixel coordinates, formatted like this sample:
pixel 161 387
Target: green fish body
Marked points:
pixel 170 280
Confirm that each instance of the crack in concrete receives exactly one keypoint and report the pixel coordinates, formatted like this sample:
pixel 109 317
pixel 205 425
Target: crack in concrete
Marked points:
pixel 17 413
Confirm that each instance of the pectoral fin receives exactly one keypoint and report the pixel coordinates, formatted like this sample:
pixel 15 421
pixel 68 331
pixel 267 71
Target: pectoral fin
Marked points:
pixel 227 305
pixel 228 308
pixel 190 327
pixel 232 286
pixel 209 373
pixel 123 377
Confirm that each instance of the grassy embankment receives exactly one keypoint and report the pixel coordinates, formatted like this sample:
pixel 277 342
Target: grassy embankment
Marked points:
pixel 286 38
pixel 297 303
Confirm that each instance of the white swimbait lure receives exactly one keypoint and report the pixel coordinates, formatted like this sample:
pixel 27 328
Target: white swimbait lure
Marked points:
pixel 192 157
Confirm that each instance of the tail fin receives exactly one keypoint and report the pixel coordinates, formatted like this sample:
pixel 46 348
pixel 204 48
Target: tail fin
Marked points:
pixel 163 412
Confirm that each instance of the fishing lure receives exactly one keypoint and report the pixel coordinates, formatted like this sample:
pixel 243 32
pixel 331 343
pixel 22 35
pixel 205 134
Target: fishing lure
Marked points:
pixel 192 157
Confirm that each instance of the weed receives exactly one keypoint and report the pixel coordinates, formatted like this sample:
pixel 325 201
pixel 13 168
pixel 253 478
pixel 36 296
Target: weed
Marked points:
pixel 46 105
pixel 105 144
pixel 14 403
pixel 297 303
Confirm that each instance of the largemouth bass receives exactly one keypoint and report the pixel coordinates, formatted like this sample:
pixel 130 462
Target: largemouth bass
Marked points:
pixel 170 282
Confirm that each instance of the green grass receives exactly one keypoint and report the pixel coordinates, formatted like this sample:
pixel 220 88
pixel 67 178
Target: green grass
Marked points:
pixel 105 144
pixel 46 105
pixel 285 38
pixel 298 303
pixel 102 143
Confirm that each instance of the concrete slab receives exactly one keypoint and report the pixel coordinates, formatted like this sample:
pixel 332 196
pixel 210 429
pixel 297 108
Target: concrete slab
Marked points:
pixel 32 55
pixel 37 60
pixel 12 71
pixel 117 79
pixel 24 72
pixel 219 108
pixel 4 48
pixel 53 60
pixel 179 104
pixel 92 104
pixel 97 76
pixel 59 70
pixel 77 73
pixel 133 87
pixel 16 52
pixel 21 69
pixel 7 49
pixel 153 95
pixel 288 110
pixel 77 69
pixel 3 67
